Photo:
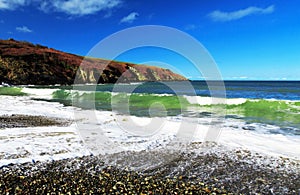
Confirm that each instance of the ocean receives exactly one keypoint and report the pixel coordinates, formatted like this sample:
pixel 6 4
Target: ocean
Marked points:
pixel 280 90
pixel 275 103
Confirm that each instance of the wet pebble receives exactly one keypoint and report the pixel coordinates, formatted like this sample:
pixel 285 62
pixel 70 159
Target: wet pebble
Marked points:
pixel 206 174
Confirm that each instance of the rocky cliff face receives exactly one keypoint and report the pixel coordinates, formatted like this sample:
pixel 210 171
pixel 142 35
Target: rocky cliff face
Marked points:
pixel 23 63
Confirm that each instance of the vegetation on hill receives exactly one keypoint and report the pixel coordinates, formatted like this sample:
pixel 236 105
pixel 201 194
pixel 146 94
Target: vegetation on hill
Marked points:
pixel 24 63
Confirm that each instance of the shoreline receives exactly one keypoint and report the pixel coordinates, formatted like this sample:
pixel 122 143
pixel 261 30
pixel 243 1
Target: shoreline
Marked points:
pixel 66 140
pixel 55 159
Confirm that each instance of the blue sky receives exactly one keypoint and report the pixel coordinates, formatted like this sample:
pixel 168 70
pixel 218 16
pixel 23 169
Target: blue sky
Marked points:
pixel 249 39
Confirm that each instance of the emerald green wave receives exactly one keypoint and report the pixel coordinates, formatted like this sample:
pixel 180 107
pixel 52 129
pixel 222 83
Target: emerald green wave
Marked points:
pixel 137 104
pixel 274 112
pixel 12 91
pixel 282 113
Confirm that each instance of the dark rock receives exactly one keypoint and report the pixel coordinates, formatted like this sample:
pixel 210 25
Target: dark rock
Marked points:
pixel 15 121
pixel 250 128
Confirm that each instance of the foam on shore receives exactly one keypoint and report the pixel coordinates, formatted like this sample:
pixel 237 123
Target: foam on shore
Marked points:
pixel 103 132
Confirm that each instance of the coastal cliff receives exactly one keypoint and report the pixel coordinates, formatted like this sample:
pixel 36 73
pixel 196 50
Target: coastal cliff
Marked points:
pixel 23 63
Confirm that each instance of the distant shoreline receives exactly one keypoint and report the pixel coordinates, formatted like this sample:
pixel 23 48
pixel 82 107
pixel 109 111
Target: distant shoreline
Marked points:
pixel 140 82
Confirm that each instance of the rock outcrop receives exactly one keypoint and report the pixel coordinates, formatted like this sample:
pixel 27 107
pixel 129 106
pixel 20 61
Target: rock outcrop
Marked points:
pixel 23 63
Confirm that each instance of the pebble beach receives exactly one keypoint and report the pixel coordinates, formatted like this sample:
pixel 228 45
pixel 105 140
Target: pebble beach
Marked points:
pixel 232 173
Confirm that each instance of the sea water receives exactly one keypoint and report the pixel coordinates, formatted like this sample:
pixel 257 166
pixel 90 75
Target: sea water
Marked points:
pixel 274 103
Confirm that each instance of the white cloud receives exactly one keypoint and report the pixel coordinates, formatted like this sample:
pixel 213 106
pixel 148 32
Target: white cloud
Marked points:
pixel 24 29
pixel 130 18
pixel 11 4
pixel 71 7
pixel 80 7
pixel 235 15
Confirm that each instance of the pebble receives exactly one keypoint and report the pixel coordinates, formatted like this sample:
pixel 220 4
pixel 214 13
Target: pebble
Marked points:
pixel 90 175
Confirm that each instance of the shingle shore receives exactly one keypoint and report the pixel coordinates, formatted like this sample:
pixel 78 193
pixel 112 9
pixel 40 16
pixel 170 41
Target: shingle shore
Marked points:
pixel 186 174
